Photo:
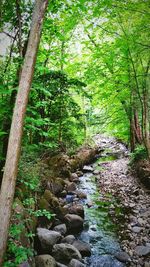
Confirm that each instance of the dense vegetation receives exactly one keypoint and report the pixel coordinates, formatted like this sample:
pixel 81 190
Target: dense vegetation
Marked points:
pixel 91 75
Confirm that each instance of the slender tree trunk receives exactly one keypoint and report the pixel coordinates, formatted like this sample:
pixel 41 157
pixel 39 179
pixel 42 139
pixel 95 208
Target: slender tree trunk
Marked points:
pixel 132 136
pixel 7 120
pixel 60 128
pixel 13 152
pixel 146 123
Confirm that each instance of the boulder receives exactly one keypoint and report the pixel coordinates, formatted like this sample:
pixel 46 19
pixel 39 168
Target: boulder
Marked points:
pixel 76 263
pixel 73 177
pixel 84 156
pixel 61 228
pixel 123 256
pixel 43 204
pixel 83 248
pixel 87 168
pixel 63 193
pixel 55 185
pixel 69 239
pixel 47 238
pixel 77 209
pixel 64 253
pixel 60 164
pixel 51 199
pixel 80 194
pixel 60 264
pixel 74 222
pixel 71 187
pixel 45 261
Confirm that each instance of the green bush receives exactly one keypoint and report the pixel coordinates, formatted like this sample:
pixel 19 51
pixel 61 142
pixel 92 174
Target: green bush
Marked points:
pixel 138 154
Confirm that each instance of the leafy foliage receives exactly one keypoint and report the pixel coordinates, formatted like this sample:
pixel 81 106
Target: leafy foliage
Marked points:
pixel 138 154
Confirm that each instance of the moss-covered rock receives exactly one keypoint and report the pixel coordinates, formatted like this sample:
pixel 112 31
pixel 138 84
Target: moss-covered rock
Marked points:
pixel 43 204
pixel 55 185
pixel 60 165
pixel 51 199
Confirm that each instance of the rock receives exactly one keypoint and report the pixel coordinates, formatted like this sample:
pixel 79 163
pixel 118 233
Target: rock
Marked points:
pixel 60 165
pixel 132 205
pixel 77 209
pixel 93 227
pixel 89 204
pixel 136 229
pixel 123 257
pixel 70 198
pixel 65 252
pixel 147 264
pixel 76 263
pixel 142 250
pixel 73 177
pixel 24 264
pixel 63 193
pixel 45 261
pixel 68 239
pixel 71 187
pixel 51 199
pixel 141 221
pixel 80 194
pixel 79 173
pixel 47 238
pixel 60 264
pixel 55 185
pixel 77 181
pixel 43 204
pixel 83 248
pixel 61 228
pixel 74 222
pixel 96 172
pixel 87 168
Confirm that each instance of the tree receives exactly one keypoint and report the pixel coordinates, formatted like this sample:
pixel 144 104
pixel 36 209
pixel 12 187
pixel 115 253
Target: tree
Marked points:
pixel 17 19
pixel 13 152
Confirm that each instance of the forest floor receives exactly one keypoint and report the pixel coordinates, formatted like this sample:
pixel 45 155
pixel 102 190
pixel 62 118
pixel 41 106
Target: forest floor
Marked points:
pixel 117 179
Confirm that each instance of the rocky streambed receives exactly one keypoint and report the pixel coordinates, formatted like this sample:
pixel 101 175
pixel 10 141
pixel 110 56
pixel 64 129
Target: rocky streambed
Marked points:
pixel 102 212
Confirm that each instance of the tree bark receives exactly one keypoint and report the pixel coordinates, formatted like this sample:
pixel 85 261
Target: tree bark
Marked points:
pixel 14 145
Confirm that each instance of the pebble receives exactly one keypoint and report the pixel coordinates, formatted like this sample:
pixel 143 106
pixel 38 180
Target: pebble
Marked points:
pixel 136 229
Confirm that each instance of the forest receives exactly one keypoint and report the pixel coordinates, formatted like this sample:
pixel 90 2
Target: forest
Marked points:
pixel 74 133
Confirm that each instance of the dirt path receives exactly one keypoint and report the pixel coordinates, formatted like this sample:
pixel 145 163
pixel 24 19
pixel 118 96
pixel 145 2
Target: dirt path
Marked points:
pixel 115 178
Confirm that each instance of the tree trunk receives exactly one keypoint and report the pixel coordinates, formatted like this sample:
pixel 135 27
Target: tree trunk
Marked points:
pixel 11 103
pixel 146 124
pixel 13 152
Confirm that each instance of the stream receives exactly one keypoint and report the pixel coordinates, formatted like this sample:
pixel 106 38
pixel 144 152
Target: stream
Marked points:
pixel 99 230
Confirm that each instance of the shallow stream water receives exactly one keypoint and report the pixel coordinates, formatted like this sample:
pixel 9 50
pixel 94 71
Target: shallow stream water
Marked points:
pixel 99 231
